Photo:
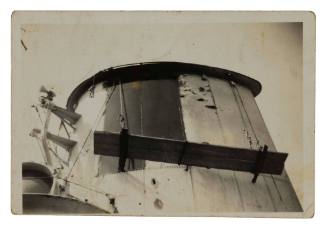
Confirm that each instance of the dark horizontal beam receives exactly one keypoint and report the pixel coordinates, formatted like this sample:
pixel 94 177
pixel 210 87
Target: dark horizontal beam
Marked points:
pixel 195 154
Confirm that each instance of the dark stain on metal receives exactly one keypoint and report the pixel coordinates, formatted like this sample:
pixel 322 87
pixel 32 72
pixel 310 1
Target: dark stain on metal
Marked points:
pixel 211 106
pixel 153 181
pixel 23 44
pixel 158 204
pixel 201 99
pixel 182 83
pixel 201 89
pixel 61 188
pixel 112 203
pixel 190 90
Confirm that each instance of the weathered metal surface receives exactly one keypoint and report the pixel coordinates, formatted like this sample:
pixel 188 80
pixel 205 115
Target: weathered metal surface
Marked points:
pixel 160 109
pixel 214 191
pixel 211 112
pixel 280 188
pixel 168 191
pixel 237 131
pixel 156 71
pixel 230 127
pixel 160 112
pixel 204 155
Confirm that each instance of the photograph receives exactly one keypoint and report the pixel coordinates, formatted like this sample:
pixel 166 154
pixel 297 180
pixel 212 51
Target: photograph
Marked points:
pixel 163 113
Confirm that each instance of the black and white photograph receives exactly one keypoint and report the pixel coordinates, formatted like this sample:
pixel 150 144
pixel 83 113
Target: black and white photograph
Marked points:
pixel 163 113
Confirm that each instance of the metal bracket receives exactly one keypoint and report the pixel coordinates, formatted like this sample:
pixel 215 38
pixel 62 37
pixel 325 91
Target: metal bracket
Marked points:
pixel 260 162
pixel 180 160
pixel 123 149
pixel 182 154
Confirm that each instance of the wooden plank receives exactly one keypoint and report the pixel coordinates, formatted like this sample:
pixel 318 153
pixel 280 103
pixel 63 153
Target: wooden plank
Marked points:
pixel 233 126
pixel 170 151
pixel 285 198
pixel 199 113
pixel 280 187
pixel 160 112
pixel 255 118
pixel 255 197
pixel 213 191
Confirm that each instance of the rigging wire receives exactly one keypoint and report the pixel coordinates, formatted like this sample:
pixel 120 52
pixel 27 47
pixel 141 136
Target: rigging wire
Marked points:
pixel 62 123
pixel 98 118
pixel 124 120
pixel 55 153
